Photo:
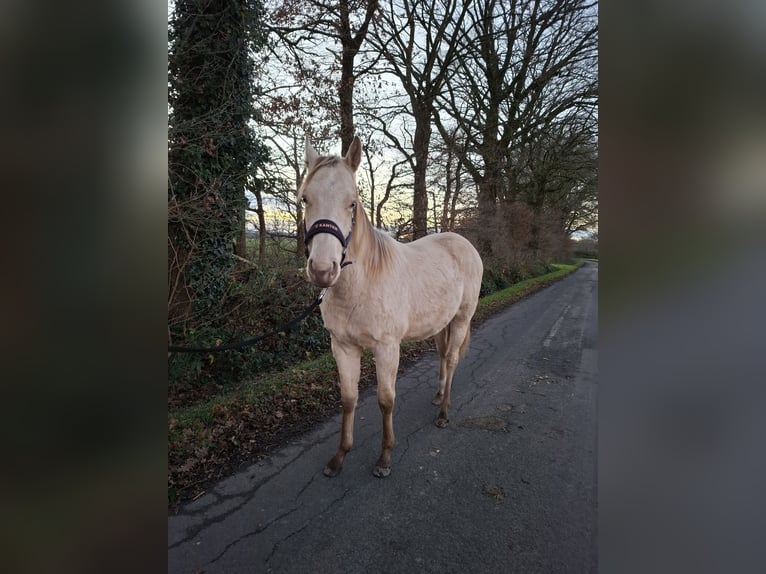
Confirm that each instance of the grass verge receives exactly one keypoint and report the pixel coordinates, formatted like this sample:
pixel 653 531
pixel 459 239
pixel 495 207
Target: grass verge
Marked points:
pixel 493 302
pixel 209 439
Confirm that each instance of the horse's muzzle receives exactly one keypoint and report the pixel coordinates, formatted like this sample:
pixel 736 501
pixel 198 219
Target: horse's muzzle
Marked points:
pixel 322 274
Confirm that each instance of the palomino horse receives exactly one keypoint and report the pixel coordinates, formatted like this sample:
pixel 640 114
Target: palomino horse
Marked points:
pixel 392 292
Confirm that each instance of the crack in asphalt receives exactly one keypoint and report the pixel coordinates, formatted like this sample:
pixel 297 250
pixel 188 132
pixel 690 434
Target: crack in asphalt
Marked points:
pixel 249 534
pixel 266 526
pixel 306 525
pixel 403 450
pixel 309 483
pixel 193 531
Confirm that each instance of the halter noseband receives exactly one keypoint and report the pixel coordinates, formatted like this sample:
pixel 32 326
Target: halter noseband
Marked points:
pixel 329 226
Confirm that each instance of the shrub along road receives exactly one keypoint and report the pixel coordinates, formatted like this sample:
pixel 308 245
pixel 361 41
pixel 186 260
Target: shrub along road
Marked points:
pixel 509 485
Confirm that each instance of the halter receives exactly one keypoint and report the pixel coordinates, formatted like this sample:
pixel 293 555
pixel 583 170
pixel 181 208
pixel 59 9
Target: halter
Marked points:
pixel 329 226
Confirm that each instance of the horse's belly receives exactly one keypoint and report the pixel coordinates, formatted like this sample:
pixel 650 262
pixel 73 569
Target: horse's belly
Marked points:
pixel 421 334
pixel 370 333
pixel 425 322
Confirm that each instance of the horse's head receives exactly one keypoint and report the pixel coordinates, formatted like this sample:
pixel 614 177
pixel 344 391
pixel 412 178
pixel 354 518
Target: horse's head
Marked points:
pixel 330 200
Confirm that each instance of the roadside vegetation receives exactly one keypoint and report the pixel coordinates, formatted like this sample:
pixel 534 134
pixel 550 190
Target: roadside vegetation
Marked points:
pixel 237 406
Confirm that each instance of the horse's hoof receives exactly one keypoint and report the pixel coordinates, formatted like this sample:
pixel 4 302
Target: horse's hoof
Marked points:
pixel 381 471
pixel 441 422
pixel 330 471
pixel 437 401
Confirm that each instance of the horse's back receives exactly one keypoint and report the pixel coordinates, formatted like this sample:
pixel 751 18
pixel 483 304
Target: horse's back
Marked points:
pixel 451 250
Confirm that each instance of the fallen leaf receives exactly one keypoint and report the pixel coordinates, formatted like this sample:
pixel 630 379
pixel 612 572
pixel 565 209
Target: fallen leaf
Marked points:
pixel 493 490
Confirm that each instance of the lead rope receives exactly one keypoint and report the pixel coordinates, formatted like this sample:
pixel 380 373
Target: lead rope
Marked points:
pixel 282 330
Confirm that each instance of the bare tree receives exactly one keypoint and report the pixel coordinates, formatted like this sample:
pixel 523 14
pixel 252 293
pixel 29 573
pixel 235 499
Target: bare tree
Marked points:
pixel 525 64
pixel 453 189
pixel 498 80
pixel 559 170
pixel 302 26
pixel 351 40
pixel 418 40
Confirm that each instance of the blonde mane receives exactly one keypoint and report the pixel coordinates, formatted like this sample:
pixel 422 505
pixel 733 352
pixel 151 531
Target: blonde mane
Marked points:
pixel 375 248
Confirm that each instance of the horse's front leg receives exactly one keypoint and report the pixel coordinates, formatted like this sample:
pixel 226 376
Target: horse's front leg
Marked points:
pixel 386 365
pixel 348 359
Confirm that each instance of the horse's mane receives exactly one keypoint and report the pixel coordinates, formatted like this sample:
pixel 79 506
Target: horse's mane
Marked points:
pixel 376 248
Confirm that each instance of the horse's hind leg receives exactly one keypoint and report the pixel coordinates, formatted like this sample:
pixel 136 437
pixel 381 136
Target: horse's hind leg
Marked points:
pixel 457 342
pixel 441 339
pixel 348 360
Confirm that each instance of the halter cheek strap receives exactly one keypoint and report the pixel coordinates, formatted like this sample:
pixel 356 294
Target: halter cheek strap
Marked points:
pixel 329 226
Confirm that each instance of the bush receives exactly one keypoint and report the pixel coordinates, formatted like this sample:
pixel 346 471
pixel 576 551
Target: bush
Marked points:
pixel 258 302
pixel 493 280
pixel 586 248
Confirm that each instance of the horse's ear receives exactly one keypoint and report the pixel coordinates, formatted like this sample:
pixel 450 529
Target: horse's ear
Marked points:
pixel 354 155
pixel 310 157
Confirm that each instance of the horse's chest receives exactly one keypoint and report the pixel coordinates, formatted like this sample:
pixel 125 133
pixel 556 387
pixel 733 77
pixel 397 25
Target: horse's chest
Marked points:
pixel 361 324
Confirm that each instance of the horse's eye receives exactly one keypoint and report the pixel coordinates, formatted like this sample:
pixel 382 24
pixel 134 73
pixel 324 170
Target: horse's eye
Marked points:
pixel 303 200
pixel 353 205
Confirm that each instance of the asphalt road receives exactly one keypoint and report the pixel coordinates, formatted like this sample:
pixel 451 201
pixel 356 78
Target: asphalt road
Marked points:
pixel 508 486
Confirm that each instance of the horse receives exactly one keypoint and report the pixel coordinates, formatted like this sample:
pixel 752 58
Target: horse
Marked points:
pixel 380 292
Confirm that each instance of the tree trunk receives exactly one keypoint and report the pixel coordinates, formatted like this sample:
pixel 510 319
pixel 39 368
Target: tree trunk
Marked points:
pixel 240 248
pixel 301 236
pixel 211 147
pixel 384 199
pixel 371 171
pixel 420 194
pixel 458 183
pixel 444 221
pixel 346 94
pixel 261 228
pixel 487 203
pixel 490 189
pixel 350 45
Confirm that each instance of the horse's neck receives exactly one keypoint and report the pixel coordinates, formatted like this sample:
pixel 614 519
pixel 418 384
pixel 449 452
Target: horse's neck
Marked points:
pixel 353 282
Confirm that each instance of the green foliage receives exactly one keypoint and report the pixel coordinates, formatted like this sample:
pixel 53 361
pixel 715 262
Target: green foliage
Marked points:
pixel 212 148
pixel 499 275
pixel 493 280
pixel 271 297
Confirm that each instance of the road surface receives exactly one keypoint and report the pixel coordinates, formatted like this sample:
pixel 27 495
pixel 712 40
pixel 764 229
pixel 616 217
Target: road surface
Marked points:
pixel 508 486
